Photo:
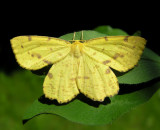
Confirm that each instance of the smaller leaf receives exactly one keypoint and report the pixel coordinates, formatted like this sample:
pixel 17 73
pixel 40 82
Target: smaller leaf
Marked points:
pixel 87 34
pixel 137 33
pixel 149 54
pixel 110 31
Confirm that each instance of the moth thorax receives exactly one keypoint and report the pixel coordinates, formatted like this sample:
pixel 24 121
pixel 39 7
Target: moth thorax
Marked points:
pixel 77 49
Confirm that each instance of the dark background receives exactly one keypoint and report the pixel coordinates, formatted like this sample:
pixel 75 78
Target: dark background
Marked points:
pixel 56 18
pixel 55 26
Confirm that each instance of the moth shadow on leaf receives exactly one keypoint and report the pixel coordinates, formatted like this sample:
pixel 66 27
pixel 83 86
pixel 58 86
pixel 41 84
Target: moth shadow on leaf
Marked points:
pixel 129 88
pixel 117 73
pixel 90 102
pixel 80 97
pixel 42 71
pixel 45 100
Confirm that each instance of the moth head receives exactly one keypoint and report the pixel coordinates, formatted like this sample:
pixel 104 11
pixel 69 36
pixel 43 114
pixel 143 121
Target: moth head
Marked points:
pixel 77 41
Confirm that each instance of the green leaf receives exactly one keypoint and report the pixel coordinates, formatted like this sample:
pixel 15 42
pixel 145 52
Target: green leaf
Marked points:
pixel 111 31
pixel 86 111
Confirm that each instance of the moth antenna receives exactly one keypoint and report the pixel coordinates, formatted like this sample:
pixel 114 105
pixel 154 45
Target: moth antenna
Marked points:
pixel 81 35
pixel 74 35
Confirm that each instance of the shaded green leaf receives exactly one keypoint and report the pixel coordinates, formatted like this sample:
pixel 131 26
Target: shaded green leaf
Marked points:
pixel 90 112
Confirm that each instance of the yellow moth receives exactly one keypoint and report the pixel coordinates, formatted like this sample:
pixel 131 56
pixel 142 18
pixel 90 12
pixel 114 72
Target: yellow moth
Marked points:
pixel 79 66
